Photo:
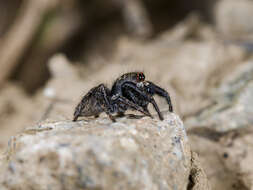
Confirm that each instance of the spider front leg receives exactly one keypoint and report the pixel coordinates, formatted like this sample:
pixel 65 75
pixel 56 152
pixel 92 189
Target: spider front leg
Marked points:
pixel 153 102
pixel 147 97
pixel 129 94
pixel 160 92
pixel 131 104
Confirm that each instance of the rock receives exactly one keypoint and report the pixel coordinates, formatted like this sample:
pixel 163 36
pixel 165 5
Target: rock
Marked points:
pixel 97 154
pixel 233 107
pixel 233 18
pixel 221 133
pixel 16 110
pixel 231 153
pixel 237 153
pixel 198 179
pixel 212 155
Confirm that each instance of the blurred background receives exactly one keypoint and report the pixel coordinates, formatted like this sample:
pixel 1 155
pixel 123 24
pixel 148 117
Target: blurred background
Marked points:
pixel 53 51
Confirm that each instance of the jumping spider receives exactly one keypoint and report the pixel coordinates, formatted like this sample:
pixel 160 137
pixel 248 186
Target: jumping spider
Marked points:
pixel 130 91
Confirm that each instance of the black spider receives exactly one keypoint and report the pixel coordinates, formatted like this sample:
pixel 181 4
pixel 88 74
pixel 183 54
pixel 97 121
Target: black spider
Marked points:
pixel 130 91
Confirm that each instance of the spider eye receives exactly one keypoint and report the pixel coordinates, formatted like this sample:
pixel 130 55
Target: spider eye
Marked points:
pixel 140 77
pixel 143 76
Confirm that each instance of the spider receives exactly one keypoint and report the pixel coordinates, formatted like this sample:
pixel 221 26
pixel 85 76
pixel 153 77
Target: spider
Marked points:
pixel 130 91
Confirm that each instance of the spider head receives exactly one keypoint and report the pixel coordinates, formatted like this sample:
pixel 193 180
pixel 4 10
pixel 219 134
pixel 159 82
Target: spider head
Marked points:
pixel 134 77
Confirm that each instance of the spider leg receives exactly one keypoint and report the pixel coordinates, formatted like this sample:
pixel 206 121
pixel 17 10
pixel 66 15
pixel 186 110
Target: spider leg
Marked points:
pixel 75 117
pixel 146 109
pixel 133 86
pixel 153 102
pixel 105 95
pixel 161 92
pixel 120 114
pixel 133 105
pixel 109 115
pixel 132 116
pixel 77 112
pixel 148 98
pixel 107 107
pixel 135 100
pixel 129 93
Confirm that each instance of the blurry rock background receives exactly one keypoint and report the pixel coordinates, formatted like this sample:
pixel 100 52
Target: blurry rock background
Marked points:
pixel 52 52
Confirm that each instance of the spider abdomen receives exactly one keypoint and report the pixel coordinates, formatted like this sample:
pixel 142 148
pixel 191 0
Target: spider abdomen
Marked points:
pixel 91 104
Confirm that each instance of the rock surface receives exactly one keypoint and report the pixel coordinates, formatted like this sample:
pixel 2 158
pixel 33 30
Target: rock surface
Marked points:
pixel 198 179
pixel 97 154
pixel 212 156
pixel 233 106
pixel 226 129
pixel 237 153
pixel 16 110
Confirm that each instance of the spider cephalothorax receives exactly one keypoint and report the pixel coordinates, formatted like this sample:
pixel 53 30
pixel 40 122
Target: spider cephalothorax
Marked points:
pixel 130 91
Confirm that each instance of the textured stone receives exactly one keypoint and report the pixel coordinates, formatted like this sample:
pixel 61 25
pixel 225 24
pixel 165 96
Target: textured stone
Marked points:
pixel 226 129
pixel 231 154
pixel 233 107
pixel 209 149
pixel 198 179
pixel 97 154
pixel 237 153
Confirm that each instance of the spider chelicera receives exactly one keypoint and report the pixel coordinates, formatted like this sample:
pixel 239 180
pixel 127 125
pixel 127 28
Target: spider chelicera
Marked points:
pixel 130 91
